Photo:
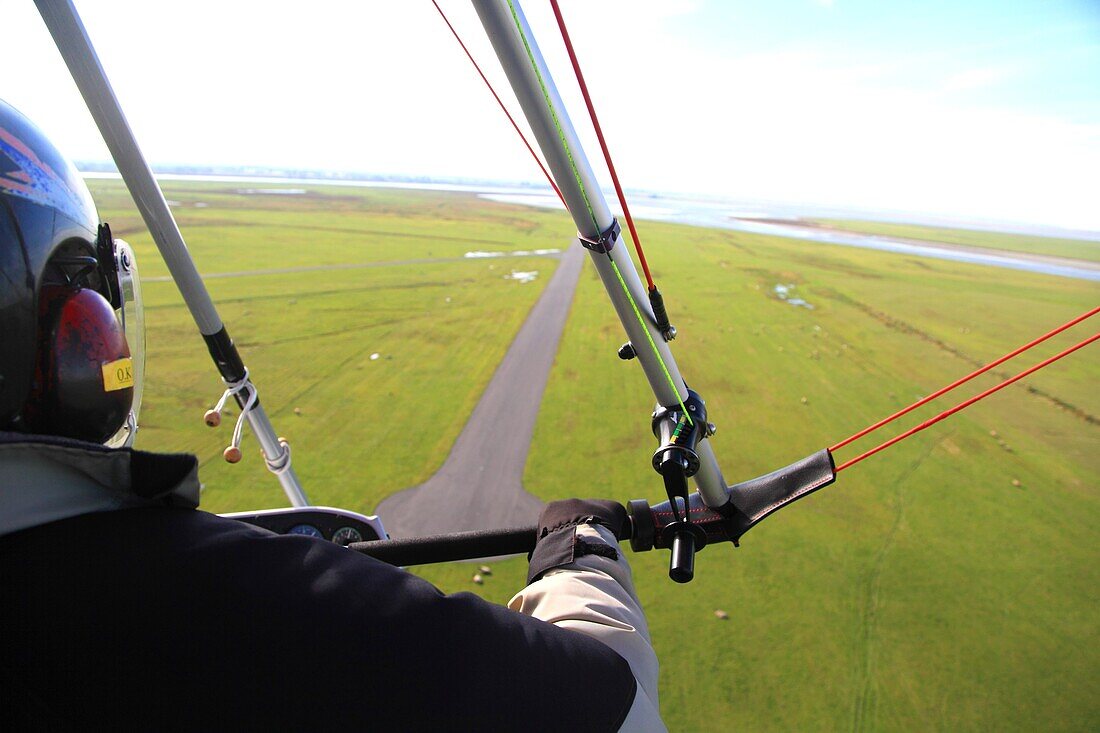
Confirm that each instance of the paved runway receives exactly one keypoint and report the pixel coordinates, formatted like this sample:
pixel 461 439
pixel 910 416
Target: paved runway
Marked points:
pixel 480 485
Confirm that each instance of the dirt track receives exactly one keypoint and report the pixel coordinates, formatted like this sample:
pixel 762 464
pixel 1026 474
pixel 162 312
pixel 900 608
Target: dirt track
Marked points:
pixel 480 485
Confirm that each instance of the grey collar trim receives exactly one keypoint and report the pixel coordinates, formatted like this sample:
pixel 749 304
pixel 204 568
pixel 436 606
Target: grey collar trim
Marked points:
pixel 45 479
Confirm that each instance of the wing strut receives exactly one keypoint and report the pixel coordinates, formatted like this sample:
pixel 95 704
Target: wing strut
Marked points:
pixel 76 48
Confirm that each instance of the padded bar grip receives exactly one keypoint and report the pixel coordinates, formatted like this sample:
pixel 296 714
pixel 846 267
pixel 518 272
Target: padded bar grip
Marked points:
pixel 752 500
pixel 450 547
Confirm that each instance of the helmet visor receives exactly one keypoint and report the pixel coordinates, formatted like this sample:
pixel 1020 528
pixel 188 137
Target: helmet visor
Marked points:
pixel 131 315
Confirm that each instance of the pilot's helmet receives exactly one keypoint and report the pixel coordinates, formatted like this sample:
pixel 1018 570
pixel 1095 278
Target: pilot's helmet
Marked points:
pixel 73 341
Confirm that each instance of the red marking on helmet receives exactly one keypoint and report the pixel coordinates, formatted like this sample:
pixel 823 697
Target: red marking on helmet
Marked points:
pixel 79 334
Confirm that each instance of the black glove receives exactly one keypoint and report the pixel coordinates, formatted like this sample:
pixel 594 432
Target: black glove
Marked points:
pixel 558 543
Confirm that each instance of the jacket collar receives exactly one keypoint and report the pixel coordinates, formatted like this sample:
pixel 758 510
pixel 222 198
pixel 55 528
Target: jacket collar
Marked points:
pixel 45 479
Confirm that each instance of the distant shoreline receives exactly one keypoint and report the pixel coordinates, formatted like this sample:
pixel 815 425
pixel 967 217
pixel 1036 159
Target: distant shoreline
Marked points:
pixel 461 187
pixel 949 246
pixel 638 198
pixel 698 212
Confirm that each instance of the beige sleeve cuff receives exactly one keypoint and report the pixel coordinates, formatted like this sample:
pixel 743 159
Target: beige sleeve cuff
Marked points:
pixel 595 596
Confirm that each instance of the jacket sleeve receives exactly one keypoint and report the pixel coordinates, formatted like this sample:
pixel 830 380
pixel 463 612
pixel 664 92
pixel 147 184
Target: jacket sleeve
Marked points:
pixel 171 619
pixel 594 595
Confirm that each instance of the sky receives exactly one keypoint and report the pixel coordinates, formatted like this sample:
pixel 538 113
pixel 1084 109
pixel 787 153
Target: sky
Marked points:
pixel 980 109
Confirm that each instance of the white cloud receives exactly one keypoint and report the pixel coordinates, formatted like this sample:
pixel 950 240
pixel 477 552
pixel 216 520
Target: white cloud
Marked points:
pixel 350 87
pixel 975 78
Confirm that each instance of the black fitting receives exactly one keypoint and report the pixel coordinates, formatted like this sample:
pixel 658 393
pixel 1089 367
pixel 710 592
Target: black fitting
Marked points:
pixel 627 351
pixel 681 563
pixel 643 525
pixel 607 239
pixel 679 430
pixel 106 265
pixel 225 355
pixel 660 315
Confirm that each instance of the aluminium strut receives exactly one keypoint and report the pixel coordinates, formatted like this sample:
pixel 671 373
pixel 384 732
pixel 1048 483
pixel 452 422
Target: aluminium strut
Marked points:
pixel 76 49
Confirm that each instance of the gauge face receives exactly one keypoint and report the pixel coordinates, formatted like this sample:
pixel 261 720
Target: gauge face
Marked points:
pixel 307 529
pixel 346 535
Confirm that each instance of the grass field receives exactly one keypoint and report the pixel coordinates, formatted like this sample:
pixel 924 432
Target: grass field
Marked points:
pixel 950 583
pixel 364 428
pixel 1078 249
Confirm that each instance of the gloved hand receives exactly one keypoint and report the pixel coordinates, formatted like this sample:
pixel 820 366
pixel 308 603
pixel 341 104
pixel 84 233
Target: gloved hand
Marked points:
pixel 558 544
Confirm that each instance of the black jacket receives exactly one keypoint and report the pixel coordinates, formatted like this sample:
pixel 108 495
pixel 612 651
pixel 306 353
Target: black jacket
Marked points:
pixel 169 618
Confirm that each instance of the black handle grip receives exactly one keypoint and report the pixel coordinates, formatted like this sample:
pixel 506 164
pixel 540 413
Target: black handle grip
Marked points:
pixel 750 502
pixel 450 547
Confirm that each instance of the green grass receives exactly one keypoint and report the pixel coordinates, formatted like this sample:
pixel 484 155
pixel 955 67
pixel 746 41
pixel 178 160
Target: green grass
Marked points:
pixel 1079 249
pixel 363 428
pixel 923 591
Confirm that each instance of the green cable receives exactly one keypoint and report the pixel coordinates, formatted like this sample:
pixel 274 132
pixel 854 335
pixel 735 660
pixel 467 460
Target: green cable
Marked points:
pixel 554 116
pixel 679 427
pixel 649 337
pixel 588 205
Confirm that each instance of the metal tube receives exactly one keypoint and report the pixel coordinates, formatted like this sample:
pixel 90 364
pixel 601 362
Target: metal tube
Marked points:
pixel 709 479
pixel 530 79
pixel 537 95
pixel 515 46
pixel 76 49
pixel 277 456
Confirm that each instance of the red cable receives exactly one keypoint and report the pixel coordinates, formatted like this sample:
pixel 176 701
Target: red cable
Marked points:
pixel 967 378
pixel 971 401
pixel 502 107
pixel 603 143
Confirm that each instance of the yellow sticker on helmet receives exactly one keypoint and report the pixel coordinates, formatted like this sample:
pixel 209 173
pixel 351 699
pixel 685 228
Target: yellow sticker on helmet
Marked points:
pixel 118 375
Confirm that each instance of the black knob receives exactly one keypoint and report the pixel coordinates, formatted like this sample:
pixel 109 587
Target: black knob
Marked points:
pixel 681 567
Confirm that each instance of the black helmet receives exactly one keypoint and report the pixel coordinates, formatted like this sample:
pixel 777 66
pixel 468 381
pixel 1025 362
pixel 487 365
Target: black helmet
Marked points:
pixel 65 364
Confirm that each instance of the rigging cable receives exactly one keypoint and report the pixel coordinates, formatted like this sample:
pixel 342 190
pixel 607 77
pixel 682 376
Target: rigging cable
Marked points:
pixel 965 379
pixel 502 107
pixel 967 403
pixel 656 300
pixel 603 143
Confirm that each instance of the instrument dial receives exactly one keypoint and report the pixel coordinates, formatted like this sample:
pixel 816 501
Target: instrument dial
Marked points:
pixel 346 535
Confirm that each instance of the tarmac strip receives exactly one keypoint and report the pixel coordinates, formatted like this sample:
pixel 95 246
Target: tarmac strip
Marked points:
pixel 480 485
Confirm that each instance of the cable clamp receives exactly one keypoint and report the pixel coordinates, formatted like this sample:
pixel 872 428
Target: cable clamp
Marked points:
pixel 280 464
pixel 607 239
